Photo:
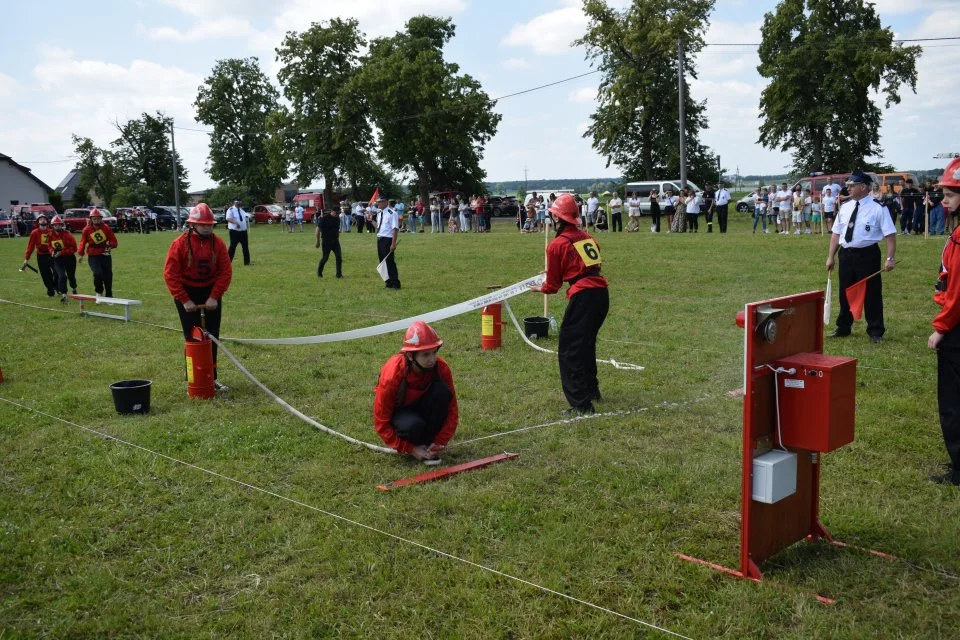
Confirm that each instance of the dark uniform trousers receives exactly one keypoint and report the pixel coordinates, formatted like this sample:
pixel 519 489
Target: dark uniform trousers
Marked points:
pixel 241 238
pixel 577 350
pixel 419 422
pixel 383 251
pixel 855 265
pixel 948 396
pixel 45 267
pixel 616 221
pixel 722 214
pixel 102 268
pixel 199 295
pixel 328 246
pixel 66 270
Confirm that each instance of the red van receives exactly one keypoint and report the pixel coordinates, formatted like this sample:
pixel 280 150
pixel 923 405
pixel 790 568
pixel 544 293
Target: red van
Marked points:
pixel 310 202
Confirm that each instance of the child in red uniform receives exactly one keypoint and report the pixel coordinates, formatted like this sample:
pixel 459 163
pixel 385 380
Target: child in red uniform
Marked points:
pixel 96 241
pixel 574 257
pixel 63 249
pixel 38 240
pixel 946 335
pixel 198 273
pixel 415 410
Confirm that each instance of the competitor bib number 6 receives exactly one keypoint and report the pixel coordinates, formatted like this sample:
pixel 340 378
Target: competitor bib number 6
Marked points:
pixel 589 251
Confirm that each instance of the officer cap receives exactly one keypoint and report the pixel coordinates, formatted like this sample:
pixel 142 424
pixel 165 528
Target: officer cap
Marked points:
pixel 859 177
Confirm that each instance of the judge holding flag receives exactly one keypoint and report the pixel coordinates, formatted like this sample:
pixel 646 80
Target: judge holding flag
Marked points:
pixel 387 229
pixel 860 225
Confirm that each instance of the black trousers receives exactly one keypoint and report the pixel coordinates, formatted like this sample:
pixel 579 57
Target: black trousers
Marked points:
pixel 419 422
pixel 383 251
pixel 65 268
pixel 327 246
pixel 102 268
pixel 359 222
pixel 855 265
pixel 948 396
pixel 199 295
pixel 722 212
pixel 45 267
pixel 239 237
pixel 692 223
pixel 616 222
pixel 655 216
pixel 577 350
pixel 708 216
pixel 906 220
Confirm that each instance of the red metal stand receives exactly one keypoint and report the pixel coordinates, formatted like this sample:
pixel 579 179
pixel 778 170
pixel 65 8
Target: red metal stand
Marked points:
pixel 447 471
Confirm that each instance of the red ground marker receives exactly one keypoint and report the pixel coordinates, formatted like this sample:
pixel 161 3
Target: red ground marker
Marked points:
pixel 447 471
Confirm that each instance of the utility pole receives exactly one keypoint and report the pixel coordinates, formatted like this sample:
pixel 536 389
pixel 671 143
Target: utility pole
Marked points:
pixel 683 133
pixel 719 170
pixel 176 180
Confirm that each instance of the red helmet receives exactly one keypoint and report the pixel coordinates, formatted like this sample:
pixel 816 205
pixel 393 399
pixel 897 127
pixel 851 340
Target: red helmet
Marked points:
pixel 420 337
pixel 201 214
pixel 43 217
pixel 566 208
pixel 95 213
pixel 951 175
pixel 56 220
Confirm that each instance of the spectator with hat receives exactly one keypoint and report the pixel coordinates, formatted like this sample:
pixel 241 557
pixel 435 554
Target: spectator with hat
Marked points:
pixel 237 224
pixel 860 225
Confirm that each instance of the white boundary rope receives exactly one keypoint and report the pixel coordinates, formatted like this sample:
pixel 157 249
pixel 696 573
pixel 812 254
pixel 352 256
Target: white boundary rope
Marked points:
pixel 283 403
pixel 401 325
pixel 626 366
pixel 355 522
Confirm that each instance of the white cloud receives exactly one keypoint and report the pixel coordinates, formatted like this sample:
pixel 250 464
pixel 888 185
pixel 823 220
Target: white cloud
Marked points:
pixel 8 86
pixel 203 30
pixel 551 33
pixel 583 95
pixel 512 64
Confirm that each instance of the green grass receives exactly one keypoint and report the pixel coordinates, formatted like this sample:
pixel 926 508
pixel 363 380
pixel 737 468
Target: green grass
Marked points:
pixel 101 539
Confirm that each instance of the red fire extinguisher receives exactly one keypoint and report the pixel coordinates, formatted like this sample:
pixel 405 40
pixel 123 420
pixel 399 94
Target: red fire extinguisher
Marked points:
pixel 490 327
pixel 199 354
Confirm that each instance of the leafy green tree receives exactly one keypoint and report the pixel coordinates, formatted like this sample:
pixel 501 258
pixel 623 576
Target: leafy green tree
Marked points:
pixel 824 59
pixel 236 100
pixel 131 195
pixel 97 171
pixel 56 200
pixel 142 156
pixel 224 194
pixel 328 128
pixel 636 125
pixel 408 76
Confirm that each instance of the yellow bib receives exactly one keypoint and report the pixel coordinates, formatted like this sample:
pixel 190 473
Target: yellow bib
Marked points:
pixel 98 237
pixel 589 251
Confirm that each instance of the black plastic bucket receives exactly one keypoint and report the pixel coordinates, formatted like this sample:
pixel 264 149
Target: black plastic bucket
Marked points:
pixel 536 327
pixel 131 396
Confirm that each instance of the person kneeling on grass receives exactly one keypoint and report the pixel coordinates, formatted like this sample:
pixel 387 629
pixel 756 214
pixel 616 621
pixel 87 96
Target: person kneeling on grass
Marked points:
pixel 415 409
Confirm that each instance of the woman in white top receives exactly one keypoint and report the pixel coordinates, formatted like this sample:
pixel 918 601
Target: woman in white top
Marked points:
pixel 435 218
pixel 463 208
pixel 633 212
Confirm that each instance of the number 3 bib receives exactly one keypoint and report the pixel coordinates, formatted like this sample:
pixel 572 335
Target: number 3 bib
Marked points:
pixel 589 251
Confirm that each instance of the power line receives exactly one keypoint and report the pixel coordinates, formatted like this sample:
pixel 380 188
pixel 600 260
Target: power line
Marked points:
pixel 757 44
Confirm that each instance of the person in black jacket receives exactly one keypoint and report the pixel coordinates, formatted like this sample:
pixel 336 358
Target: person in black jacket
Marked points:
pixel 328 235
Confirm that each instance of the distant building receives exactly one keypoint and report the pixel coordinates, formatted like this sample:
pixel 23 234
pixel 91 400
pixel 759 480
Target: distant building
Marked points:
pixel 196 197
pixel 17 183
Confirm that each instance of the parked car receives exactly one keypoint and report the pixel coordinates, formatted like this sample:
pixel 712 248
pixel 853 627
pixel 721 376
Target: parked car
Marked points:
pixel 167 217
pixel 268 213
pixel 27 215
pixel 745 203
pixel 76 219
pixel 896 179
pixel 501 206
pixel 6 226
pixel 219 214
pixel 643 189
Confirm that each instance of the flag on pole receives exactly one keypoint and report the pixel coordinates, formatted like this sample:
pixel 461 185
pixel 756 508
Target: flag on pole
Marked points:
pixel 382 268
pixel 856 294
pixel 374 198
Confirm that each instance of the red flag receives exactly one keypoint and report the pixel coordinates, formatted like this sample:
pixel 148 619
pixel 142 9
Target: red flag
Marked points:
pixel 375 196
pixel 856 294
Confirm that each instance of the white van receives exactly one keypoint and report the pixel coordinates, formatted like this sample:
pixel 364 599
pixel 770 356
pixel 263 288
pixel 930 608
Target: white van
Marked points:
pixel 643 189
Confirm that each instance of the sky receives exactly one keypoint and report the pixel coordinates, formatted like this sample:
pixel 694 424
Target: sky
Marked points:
pixel 76 68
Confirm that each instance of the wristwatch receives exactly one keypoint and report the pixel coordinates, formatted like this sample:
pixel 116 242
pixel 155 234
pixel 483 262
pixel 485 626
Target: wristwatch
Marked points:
pixel 890 259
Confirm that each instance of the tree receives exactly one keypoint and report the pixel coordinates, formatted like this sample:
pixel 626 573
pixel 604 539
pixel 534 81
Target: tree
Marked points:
pixel 142 156
pixel 433 121
pixel 824 58
pixel 328 129
pixel 637 123
pixel 56 200
pixel 97 172
pixel 236 100
pixel 224 194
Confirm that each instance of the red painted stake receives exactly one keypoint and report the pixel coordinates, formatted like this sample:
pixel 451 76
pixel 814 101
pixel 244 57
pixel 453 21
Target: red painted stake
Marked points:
pixel 447 471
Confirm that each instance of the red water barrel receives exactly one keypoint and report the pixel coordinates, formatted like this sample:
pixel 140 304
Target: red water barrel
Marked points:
pixel 199 354
pixel 490 337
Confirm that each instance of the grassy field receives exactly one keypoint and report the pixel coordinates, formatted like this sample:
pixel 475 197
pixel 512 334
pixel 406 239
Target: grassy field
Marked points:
pixel 98 538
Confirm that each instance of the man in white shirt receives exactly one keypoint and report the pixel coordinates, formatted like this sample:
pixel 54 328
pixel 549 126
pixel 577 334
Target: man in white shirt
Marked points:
pixel 785 206
pixel 861 223
pixel 616 212
pixel 592 203
pixel 298 214
pixel 387 230
pixel 722 203
pixel 237 225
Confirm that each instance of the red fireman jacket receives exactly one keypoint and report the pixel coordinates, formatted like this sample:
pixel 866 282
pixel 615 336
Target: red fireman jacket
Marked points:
pixel 39 240
pixel 573 257
pixel 95 241
pixel 195 261
pixel 62 242
pixel 949 316
pixel 385 401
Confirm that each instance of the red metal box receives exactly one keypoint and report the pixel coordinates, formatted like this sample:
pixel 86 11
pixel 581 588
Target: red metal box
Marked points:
pixel 818 402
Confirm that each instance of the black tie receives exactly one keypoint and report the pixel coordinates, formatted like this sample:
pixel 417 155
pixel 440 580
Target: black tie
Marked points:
pixel 848 237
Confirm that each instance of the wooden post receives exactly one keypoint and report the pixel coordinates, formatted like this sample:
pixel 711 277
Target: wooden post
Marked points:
pixel 546 241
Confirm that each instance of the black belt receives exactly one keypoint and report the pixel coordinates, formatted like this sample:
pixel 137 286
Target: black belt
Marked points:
pixel 867 248
pixel 593 271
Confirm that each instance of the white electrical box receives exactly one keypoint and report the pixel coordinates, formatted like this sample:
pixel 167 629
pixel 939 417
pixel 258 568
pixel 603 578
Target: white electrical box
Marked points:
pixel 774 476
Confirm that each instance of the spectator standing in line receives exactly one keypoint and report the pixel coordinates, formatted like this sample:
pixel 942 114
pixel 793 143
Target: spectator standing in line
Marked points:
pixel 434 215
pixel 670 202
pixel 464 211
pixel 401 209
pixel 934 197
pixel 759 210
pixel 679 201
pixel 289 217
pixel 345 217
pixel 861 224
pixel 772 207
pixel 709 201
pixel 722 203
pixel 237 224
pixel 890 200
pixel 909 202
pixel 615 204
pixel 654 211
pixel 328 237
pixel 387 230
pixel 784 205
pixel 693 210
pixel 418 207
pixel 796 210
pixel 592 203
pixel 633 213
pixel 829 205
pixel 298 214
pixel 945 338
pixel 806 210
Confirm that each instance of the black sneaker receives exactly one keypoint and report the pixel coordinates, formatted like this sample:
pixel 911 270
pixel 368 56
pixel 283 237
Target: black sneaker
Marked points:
pixel 580 411
pixel 220 387
pixel 946 478
pixel 838 334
